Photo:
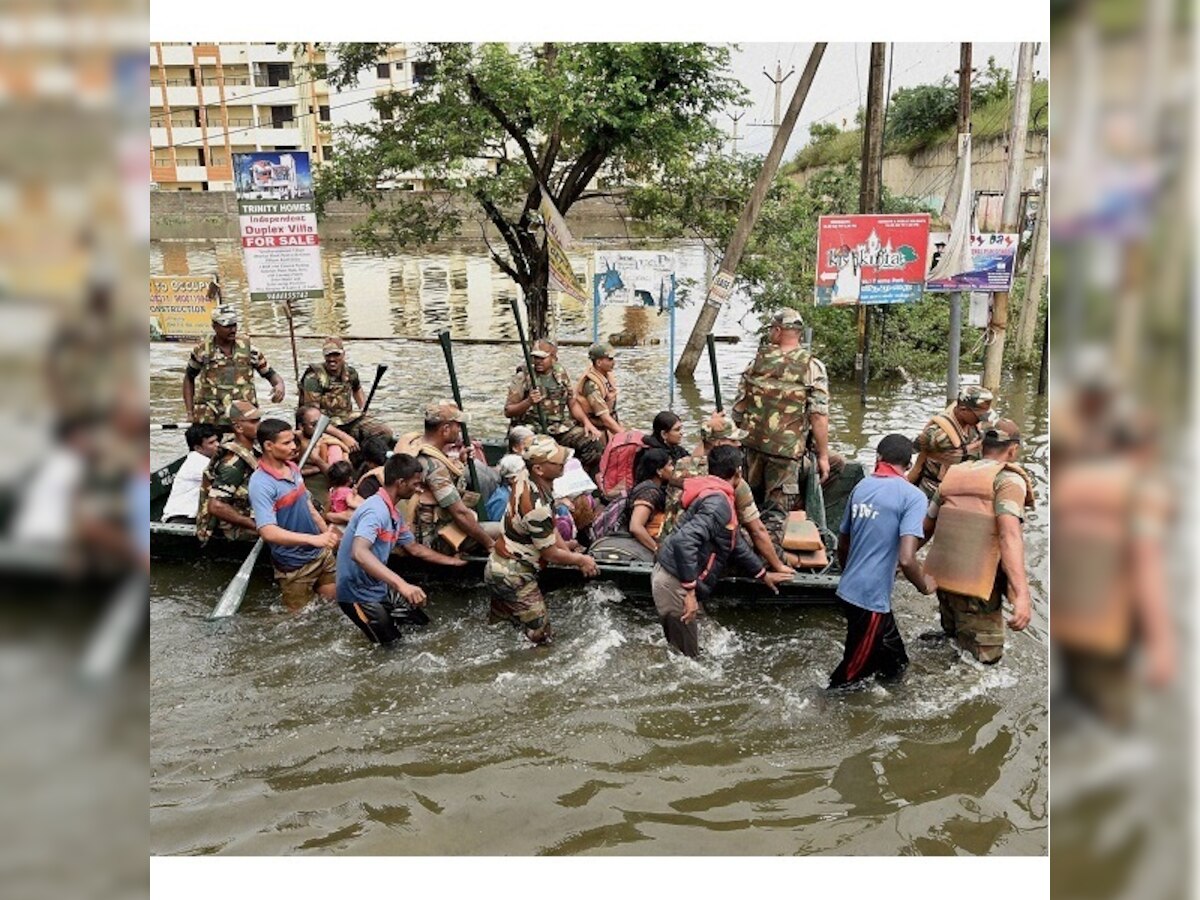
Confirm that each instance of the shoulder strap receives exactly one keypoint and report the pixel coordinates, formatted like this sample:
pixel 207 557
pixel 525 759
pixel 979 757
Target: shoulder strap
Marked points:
pixel 950 427
pixel 456 469
pixel 240 452
pixel 1029 496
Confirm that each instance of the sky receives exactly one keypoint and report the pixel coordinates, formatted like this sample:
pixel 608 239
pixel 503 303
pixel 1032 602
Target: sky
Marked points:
pixel 840 85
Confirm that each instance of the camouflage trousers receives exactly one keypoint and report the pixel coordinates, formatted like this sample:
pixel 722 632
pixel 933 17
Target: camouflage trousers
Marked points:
pixel 368 426
pixel 516 597
pixel 976 626
pixel 778 481
pixel 1103 683
pixel 587 450
pixel 775 480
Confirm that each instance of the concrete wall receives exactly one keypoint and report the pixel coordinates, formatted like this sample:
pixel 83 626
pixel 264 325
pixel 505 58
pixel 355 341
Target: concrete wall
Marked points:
pixel 212 215
pixel 927 174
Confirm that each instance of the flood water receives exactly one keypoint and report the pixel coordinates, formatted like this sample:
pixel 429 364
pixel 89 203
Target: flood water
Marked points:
pixel 273 733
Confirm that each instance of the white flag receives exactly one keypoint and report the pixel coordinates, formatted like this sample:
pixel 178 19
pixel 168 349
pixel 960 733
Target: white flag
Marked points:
pixel 555 224
pixel 956 258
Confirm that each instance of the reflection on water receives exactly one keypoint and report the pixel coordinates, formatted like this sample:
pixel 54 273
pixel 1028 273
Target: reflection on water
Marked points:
pixel 280 734
pixel 416 296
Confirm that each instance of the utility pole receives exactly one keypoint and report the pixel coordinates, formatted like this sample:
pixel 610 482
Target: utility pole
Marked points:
pixel 869 193
pixel 956 298
pixel 778 81
pixel 1018 132
pixel 722 285
pixel 1037 274
pixel 735 119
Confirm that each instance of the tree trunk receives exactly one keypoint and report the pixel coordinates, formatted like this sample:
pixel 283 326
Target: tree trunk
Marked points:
pixel 537 296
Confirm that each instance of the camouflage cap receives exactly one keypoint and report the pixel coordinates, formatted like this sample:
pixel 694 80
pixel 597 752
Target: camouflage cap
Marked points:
pixel 544 449
pixel 224 315
pixel 975 397
pixel 1005 431
pixel 243 410
pixel 719 428
pixel 333 345
pixel 542 348
pixel 444 411
pixel 787 318
pixel 600 351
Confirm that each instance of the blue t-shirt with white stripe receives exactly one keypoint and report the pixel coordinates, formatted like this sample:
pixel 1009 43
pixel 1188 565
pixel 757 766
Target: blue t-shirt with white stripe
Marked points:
pixel 380 523
pixel 880 511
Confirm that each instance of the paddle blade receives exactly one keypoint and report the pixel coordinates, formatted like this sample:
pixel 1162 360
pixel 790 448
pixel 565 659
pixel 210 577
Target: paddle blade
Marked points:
pixel 123 622
pixel 231 600
pixel 410 615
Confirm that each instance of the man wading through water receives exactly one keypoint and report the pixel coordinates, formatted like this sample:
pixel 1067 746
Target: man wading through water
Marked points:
pixel 531 540
pixel 367 590
pixel 302 544
pixel 883 523
pixel 694 555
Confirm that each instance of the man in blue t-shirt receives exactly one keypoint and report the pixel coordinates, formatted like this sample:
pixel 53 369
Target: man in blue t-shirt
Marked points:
pixel 302 544
pixel 882 525
pixel 368 592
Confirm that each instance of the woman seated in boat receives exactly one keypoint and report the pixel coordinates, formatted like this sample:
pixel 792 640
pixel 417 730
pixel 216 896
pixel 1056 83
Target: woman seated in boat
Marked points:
pixel 666 434
pixel 646 504
pixel 629 527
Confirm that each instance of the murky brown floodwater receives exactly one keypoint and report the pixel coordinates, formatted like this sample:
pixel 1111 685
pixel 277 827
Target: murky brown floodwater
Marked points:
pixel 277 734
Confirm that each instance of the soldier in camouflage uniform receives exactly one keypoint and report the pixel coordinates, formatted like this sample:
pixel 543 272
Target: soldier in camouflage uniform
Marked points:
pixel 334 388
pixel 444 499
pixel 976 623
pixel 716 431
pixel 225 367
pixel 553 394
pixel 782 399
pixel 595 398
pixel 225 484
pixel 950 437
pixel 530 541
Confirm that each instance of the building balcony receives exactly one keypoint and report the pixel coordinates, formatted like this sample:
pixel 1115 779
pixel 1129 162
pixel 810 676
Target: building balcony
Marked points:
pixel 268 53
pixel 186 172
pixel 248 93
pixel 175 55
pixel 158 137
pixel 234 54
pixel 180 96
pixel 273 137
pixel 184 134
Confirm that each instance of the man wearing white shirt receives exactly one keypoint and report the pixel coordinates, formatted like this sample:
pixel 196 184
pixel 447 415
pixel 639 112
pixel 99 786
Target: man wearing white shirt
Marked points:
pixel 184 502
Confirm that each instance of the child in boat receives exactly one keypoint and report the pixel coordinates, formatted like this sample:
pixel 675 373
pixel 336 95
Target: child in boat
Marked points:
pixel 339 475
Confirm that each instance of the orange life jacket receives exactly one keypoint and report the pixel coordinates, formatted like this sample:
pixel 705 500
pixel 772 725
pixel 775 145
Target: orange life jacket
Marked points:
pixel 964 555
pixel 1091 586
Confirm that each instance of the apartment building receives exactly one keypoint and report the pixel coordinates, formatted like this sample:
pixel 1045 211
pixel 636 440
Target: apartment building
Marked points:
pixel 209 101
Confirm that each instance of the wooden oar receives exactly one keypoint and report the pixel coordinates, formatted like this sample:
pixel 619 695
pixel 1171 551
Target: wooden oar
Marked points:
pixel 712 362
pixel 529 370
pixel 120 626
pixel 444 337
pixel 236 592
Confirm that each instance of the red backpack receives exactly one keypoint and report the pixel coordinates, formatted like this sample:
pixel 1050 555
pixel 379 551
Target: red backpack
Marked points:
pixel 616 465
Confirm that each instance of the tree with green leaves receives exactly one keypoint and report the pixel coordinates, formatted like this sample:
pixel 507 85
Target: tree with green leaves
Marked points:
pixel 492 123
pixel 779 266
